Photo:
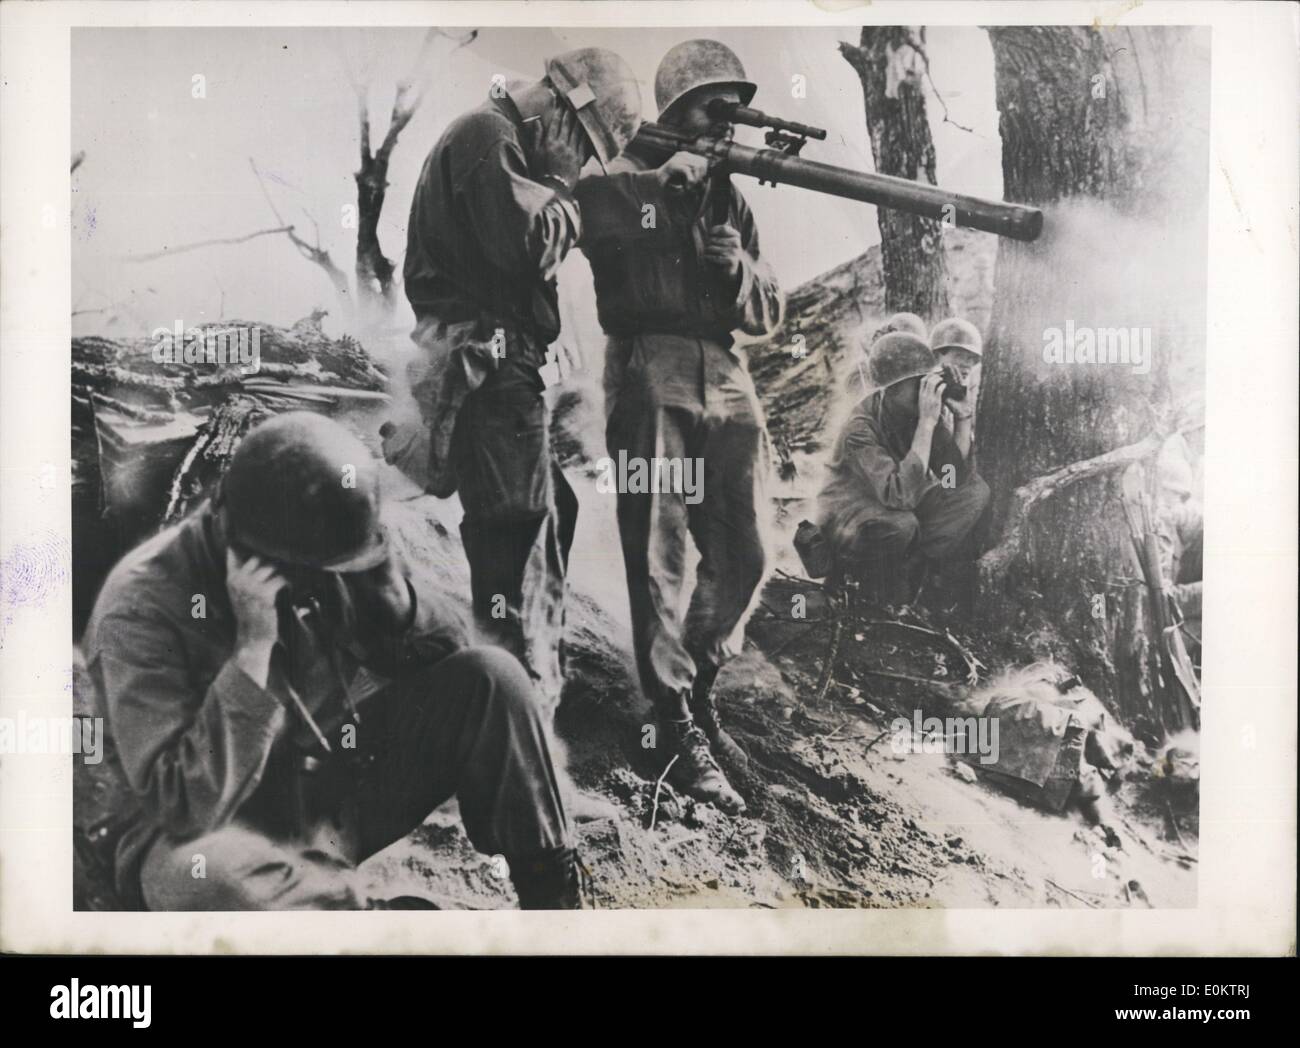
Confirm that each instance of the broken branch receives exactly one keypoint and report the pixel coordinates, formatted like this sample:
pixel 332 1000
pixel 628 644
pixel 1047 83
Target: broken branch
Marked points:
pixel 1072 895
pixel 205 243
pixel 994 563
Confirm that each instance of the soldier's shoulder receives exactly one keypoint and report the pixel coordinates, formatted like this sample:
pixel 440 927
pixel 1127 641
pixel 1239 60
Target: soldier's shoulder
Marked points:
pixel 863 422
pixel 478 130
pixel 867 411
pixel 144 583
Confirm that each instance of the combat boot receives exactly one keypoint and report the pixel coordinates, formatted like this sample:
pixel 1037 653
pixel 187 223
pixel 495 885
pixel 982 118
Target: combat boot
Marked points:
pixel 704 710
pixel 694 770
pixel 555 881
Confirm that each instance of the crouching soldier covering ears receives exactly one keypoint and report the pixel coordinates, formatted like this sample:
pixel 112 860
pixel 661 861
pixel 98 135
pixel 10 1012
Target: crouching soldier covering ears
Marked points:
pixel 901 488
pixel 286 697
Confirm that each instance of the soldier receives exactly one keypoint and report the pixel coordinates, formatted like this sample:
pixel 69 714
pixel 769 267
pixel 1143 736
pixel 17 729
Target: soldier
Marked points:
pixel 492 219
pixel 286 696
pixel 901 490
pixel 959 348
pixel 675 259
pixel 908 322
pixel 956 343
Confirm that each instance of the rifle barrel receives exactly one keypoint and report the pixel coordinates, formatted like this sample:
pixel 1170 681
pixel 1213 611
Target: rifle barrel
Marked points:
pixel 771 165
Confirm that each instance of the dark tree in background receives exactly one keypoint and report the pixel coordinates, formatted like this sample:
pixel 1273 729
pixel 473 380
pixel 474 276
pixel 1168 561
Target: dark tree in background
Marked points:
pixel 889 61
pixel 374 270
pixel 1106 130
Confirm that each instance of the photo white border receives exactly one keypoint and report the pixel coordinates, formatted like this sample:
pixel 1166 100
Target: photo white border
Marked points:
pixel 1248 796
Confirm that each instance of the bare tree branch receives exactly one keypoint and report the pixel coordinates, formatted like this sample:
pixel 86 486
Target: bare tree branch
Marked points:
pixel 317 254
pixel 919 48
pixel 165 252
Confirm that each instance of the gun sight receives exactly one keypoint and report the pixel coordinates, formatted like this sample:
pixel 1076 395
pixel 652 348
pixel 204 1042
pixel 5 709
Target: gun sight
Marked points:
pixel 734 112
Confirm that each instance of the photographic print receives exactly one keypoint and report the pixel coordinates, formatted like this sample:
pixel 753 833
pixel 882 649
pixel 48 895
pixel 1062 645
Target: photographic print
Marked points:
pixel 749 466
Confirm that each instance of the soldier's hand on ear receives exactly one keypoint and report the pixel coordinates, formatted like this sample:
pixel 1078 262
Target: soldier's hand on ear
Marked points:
pixel 562 145
pixel 253 585
pixel 929 401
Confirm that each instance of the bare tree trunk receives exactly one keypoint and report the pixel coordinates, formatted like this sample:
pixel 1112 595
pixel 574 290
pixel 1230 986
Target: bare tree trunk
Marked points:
pixel 889 62
pixel 374 270
pixel 1106 130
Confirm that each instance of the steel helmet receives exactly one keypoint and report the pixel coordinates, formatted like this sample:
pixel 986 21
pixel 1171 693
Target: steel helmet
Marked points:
pixel 956 333
pixel 603 91
pixel 302 490
pixel 908 322
pixel 699 63
pixel 896 357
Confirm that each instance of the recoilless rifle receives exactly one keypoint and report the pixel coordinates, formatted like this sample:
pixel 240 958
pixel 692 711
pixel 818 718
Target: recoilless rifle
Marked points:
pixel 781 164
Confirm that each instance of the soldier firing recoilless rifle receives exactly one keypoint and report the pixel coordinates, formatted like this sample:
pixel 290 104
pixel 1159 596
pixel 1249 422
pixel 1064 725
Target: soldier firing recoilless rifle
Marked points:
pixel 781 164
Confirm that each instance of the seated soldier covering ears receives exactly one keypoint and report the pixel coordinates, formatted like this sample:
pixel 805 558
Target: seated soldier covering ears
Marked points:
pixel 286 699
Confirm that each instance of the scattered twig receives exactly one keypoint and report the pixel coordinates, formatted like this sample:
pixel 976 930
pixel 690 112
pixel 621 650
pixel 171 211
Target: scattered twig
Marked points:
pixel 1173 856
pixel 832 654
pixel 973 665
pixel 873 742
pixel 831 734
pixel 911 679
pixel 654 811
pixel 799 579
pixel 1072 895
pixel 855 735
